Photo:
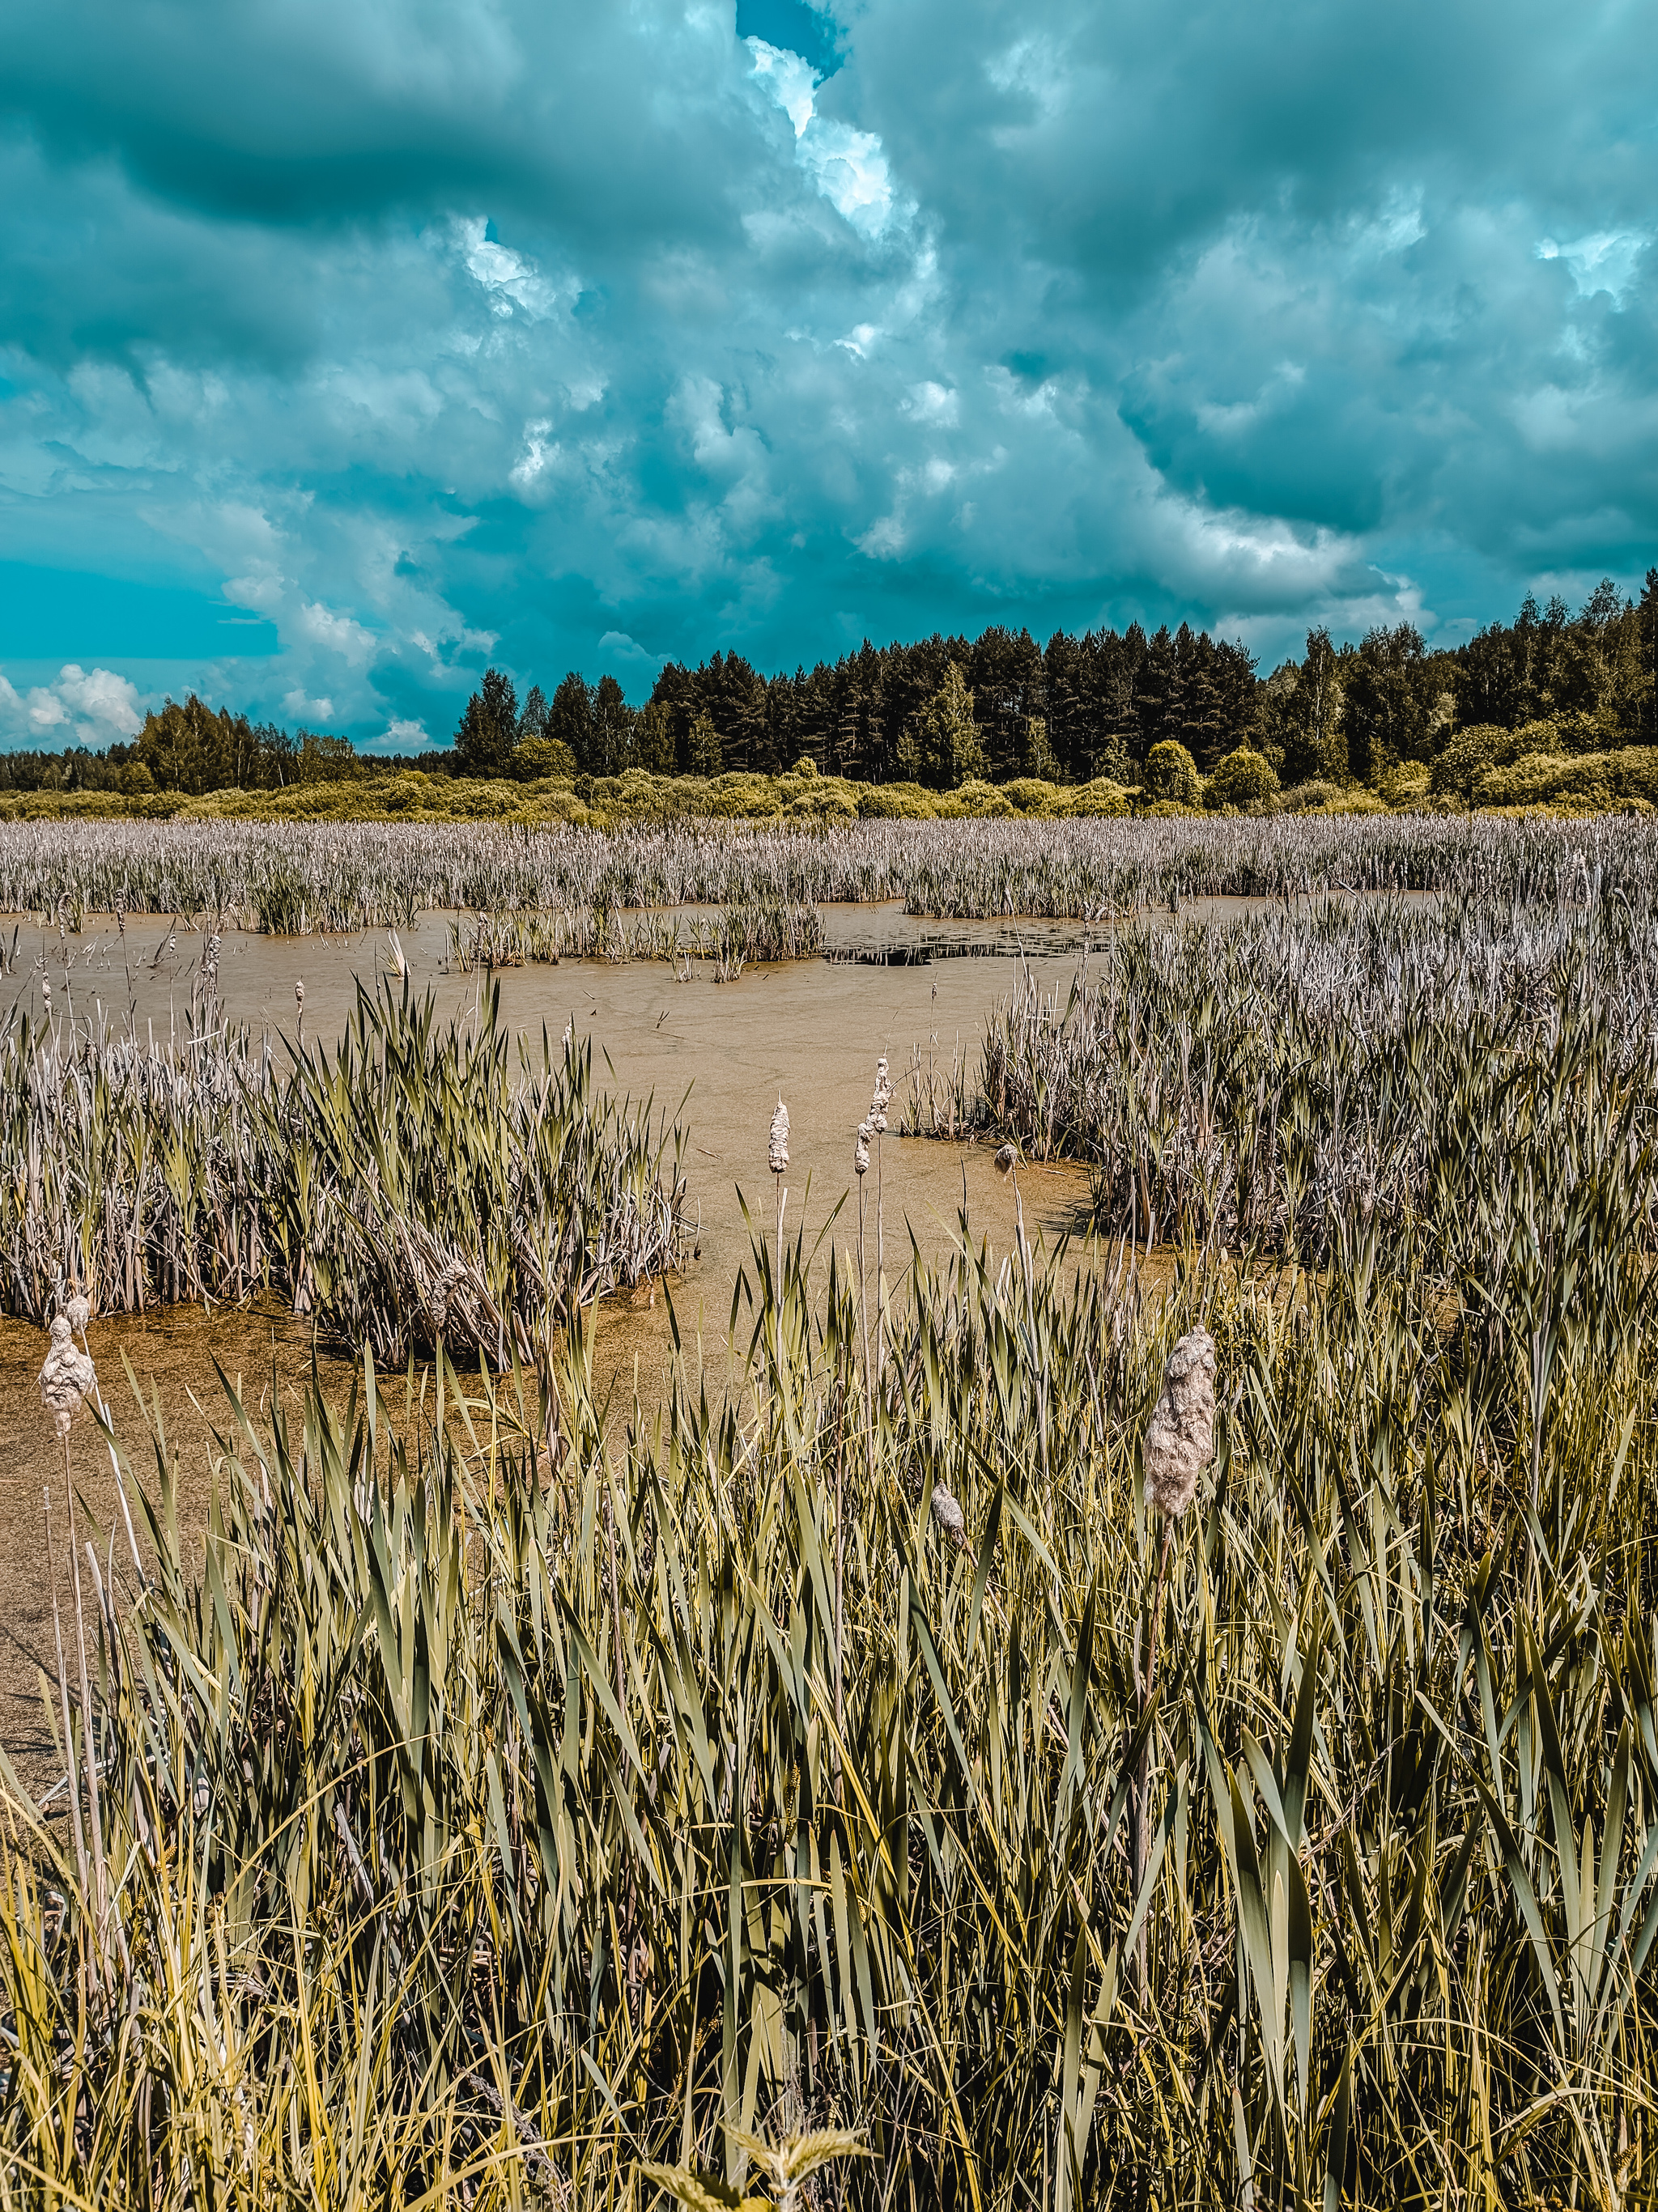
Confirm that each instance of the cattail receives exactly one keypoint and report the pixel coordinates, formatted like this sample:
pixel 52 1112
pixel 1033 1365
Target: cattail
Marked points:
pixel 46 994
pixel 948 1513
pixel 78 1312
pixel 776 1153
pixel 860 1157
pixel 881 1098
pixel 1007 1159
pixel 1179 1442
pixel 1180 1438
pixel 65 1378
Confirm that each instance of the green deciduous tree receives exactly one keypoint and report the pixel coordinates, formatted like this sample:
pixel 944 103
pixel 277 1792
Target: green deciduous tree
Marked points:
pixel 1172 775
pixel 702 748
pixel 941 746
pixel 653 739
pixel 1391 694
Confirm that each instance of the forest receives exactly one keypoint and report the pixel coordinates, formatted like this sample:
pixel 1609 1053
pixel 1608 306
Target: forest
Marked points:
pixel 1079 708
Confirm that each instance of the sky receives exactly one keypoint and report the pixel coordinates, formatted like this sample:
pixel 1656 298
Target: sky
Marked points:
pixel 347 348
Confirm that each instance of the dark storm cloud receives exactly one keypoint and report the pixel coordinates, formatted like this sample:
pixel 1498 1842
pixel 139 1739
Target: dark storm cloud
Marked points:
pixel 428 332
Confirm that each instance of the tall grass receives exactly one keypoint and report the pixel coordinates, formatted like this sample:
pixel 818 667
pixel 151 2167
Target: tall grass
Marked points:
pixel 481 1825
pixel 420 1183
pixel 291 876
pixel 774 930
pixel 1273 1083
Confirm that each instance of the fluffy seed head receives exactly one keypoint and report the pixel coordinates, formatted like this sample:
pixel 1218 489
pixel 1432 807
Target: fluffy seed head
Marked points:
pixel 77 1313
pixel 1007 1159
pixel 949 1516
pixel 1180 1436
pixel 860 1157
pixel 299 996
pixel 880 1099
pixel 778 1152
pixel 65 1378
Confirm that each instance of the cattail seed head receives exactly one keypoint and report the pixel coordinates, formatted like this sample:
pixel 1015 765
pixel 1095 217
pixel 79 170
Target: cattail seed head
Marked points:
pixel 65 1378
pixel 299 996
pixel 860 1157
pixel 880 1099
pixel 1180 1439
pixel 948 1513
pixel 777 1150
pixel 46 994
pixel 1007 1159
pixel 78 1312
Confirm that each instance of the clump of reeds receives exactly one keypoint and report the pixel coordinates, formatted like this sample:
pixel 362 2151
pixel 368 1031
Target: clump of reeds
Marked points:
pixel 1380 1090
pixel 410 1186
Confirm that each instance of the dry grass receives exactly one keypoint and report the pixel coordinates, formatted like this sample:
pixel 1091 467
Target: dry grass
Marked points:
pixel 290 878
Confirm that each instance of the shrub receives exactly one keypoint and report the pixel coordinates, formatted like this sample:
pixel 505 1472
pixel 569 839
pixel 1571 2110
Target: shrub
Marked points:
pixel 536 758
pixel 1171 774
pixel 1406 783
pixel 1483 746
pixel 1101 798
pixel 895 802
pixel 1586 784
pixel 1356 801
pixel 1033 794
pixel 742 797
pixel 827 804
pixel 976 801
pixel 1243 779
pixel 1308 797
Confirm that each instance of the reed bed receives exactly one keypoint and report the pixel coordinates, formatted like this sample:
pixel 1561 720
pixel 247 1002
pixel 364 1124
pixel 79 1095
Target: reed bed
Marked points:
pixel 476 1824
pixel 289 878
pixel 418 1184
pixel 729 941
pixel 1274 1083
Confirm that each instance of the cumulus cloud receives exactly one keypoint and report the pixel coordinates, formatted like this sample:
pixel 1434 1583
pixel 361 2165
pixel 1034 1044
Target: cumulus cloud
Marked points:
pixel 81 707
pixel 586 338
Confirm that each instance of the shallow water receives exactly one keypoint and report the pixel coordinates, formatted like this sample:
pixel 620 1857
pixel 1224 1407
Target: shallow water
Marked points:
pixel 715 1056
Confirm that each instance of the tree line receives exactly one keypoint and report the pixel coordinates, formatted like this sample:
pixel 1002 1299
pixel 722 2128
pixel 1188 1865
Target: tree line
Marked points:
pixel 998 706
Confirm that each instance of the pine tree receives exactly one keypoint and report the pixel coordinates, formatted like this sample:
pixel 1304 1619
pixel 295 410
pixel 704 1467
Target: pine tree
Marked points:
pixel 488 733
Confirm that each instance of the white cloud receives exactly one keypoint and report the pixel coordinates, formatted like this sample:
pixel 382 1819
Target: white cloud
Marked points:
pixel 305 709
pixel 509 280
pixel 848 166
pixel 621 646
pixel 1603 261
pixel 791 82
pixel 82 707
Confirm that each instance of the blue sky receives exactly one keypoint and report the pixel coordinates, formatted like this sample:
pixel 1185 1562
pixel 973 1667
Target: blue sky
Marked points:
pixel 345 346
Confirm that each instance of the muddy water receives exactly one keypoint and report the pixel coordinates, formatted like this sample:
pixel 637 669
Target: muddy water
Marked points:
pixel 714 1055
